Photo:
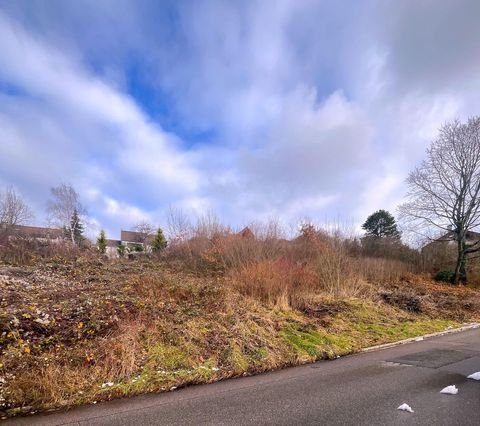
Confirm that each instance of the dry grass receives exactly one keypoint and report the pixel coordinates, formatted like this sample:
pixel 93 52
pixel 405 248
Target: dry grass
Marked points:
pixel 277 283
pixel 80 328
pixel 381 270
pixel 25 251
pixel 86 331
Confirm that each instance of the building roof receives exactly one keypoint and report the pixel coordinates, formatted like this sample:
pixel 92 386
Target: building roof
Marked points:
pixel 37 232
pixel 134 237
pixel 472 235
pixel 246 233
pixel 113 243
pixel 450 236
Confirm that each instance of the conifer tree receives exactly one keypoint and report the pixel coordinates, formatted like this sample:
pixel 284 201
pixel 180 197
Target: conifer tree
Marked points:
pixel 159 242
pixel 74 231
pixel 102 242
pixel 381 224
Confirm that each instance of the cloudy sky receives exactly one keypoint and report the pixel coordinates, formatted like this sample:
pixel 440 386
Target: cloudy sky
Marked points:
pixel 250 109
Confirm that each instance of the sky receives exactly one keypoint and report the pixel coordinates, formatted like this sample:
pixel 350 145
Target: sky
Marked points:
pixel 286 109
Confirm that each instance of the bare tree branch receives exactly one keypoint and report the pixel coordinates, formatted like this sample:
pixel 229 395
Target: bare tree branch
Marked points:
pixel 444 191
pixel 13 210
pixel 145 229
pixel 65 207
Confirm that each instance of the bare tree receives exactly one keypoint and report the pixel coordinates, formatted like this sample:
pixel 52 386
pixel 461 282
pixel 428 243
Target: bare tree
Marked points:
pixel 65 210
pixel 178 225
pixel 444 191
pixel 13 210
pixel 146 230
pixel 209 225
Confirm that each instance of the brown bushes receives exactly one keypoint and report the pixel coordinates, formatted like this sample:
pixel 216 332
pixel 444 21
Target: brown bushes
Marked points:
pixel 276 282
pixel 209 246
pixel 26 251
pixel 337 272
pixel 259 260
pixel 280 272
pixel 382 270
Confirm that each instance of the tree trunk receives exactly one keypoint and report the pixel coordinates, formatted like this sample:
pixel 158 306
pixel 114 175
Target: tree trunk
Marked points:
pixel 72 233
pixel 460 275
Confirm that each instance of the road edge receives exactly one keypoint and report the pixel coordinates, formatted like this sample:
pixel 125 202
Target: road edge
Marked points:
pixel 465 327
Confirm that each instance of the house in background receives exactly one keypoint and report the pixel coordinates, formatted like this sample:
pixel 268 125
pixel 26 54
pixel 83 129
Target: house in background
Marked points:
pixel 133 241
pixel 246 233
pixel 36 233
pixel 113 248
pixel 133 238
pixel 441 253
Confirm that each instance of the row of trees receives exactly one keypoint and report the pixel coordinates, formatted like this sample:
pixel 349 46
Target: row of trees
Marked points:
pixel 156 242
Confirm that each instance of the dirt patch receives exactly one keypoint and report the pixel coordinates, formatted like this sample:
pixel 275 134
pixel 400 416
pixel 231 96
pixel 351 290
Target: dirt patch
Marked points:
pixel 325 312
pixel 407 302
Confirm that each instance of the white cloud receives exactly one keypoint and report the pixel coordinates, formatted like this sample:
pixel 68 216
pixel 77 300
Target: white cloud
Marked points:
pixel 310 148
pixel 74 127
pixel 316 109
pixel 127 213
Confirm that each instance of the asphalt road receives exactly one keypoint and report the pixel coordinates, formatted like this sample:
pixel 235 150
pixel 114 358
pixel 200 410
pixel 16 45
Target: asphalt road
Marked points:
pixel 362 389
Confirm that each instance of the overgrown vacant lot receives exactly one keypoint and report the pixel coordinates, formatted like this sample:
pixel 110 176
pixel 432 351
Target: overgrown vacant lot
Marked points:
pixel 84 330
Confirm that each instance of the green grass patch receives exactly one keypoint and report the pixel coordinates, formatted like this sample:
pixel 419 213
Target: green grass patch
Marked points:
pixel 315 344
pixel 233 358
pixel 169 357
pixel 368 324
pixel 363 324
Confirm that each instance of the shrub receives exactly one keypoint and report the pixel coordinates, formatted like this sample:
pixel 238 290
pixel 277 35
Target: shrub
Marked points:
pixel 277 282
pixel 381 270
pixel 337 274
pixel 25 251
pixel 135 248
pixel 444 276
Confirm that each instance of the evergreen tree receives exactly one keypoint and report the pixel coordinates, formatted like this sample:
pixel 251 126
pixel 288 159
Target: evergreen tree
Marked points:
pixel 74 232
pixel 135 248
pixel 381 224
pixel 121 250
pixel 102 242
pixel 159 242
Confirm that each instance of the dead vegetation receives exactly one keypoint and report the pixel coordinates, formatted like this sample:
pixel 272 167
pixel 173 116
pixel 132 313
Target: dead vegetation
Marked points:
pixel 76 327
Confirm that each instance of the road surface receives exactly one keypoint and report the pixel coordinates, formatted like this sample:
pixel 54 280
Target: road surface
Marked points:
pixel 362 389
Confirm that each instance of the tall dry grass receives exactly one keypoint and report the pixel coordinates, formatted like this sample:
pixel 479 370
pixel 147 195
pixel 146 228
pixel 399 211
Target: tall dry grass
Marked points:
pixel 376 269
pixel 61 380
pixel 207 245
pixel 276 282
